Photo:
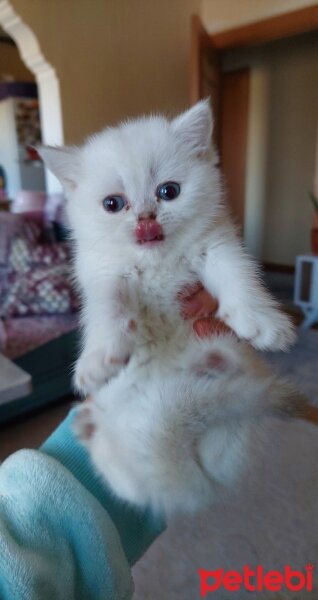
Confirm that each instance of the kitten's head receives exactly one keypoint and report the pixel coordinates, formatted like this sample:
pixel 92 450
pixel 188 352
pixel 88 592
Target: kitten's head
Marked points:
pixel 145 184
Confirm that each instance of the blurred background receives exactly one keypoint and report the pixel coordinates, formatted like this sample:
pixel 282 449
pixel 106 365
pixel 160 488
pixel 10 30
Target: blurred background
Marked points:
pixel 71 67
pixel 90 64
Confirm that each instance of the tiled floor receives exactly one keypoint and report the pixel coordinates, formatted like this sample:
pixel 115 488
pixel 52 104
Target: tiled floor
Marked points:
pixel 30 431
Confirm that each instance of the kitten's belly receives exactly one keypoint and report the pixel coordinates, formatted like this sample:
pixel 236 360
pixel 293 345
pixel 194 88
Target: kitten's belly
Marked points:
pixel 160 324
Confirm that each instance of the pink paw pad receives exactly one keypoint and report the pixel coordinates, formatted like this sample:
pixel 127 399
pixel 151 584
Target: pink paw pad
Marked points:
pixel 84 424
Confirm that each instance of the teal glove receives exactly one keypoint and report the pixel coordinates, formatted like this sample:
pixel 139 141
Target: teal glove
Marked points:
pixel 63 534
pixel 137 529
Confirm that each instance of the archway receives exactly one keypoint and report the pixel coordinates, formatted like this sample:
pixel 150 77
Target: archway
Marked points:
pixel 46 79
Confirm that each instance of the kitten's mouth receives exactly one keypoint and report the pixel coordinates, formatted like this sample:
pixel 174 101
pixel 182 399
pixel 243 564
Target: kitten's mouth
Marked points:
pixel 149 231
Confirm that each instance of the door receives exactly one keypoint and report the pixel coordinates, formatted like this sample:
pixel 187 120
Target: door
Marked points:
pixel 229 97
pixel 205 71
pixel 233 138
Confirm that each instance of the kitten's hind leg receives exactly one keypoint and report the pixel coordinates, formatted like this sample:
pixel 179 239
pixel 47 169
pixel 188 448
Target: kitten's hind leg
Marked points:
pixel 244 378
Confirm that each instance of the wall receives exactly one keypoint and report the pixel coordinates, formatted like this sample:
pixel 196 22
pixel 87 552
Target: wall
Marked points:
pixel 282 140
pixel 114 58
pixel 257 149
pixel 11 64
pixel 9 149
pixel 291 152
pixel 224 14
pixel 118 58
pixel 282 130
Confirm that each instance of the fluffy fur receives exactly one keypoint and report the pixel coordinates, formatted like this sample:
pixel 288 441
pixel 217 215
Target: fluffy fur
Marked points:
pixel 172 427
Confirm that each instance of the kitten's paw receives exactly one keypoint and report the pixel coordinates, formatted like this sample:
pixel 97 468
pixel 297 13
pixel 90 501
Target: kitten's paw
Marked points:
pixel 95 368
pixel 84 424
pixel 271 330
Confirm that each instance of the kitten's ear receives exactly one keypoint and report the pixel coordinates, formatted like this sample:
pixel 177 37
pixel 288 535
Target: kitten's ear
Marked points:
pixel 63 162
pixel 194 127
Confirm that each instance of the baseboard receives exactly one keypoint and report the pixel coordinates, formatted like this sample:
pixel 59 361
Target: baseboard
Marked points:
pixel 278 268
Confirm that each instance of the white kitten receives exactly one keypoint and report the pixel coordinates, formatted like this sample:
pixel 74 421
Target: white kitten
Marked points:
pixel 145 206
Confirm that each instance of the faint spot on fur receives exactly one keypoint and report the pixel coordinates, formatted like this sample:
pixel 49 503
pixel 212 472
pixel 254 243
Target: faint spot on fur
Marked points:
pixel 132 325
pixel 213 362
pixel 119 361
pixel 216 361
pixel 88 431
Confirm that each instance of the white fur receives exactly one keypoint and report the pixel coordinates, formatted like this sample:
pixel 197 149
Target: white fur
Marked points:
pixel 175 440
pixel 270 518
pixel 169 430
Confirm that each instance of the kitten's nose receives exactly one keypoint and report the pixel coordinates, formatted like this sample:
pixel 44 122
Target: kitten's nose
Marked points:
pixel 146 215
pixel 148 229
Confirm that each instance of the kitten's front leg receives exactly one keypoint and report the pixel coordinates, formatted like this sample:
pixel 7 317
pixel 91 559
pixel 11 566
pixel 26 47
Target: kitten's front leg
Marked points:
pixel 230 275
pixel 109 334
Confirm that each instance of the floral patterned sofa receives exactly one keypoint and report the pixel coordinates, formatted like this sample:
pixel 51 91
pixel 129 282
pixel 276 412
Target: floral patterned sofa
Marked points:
pixel 38 306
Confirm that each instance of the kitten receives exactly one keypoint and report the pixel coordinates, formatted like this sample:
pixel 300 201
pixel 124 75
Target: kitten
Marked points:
pixel 146 209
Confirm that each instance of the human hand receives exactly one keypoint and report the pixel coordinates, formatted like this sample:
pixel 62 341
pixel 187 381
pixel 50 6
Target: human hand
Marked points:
pixel 198 304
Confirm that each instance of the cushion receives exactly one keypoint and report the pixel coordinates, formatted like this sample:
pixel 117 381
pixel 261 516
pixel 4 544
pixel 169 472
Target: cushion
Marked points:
pixel 14 226
pixel 35 276
pixel 45 290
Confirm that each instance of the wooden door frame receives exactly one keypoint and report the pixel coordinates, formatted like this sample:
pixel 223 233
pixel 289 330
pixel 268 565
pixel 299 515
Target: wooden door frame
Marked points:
pixel 199 40
pixel 267 30
pixel 252 34
pixel 255 33
pixel 233 138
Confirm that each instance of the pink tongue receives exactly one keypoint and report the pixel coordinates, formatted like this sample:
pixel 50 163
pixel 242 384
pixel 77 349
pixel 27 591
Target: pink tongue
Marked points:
pixel 148 230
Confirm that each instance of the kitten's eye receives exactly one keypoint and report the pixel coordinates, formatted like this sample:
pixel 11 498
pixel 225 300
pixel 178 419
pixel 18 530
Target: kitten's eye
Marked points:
pixel 114 203
pixel 168 191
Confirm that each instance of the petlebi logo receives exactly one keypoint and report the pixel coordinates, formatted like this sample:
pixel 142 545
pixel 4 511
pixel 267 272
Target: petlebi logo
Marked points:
pixel 256 580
